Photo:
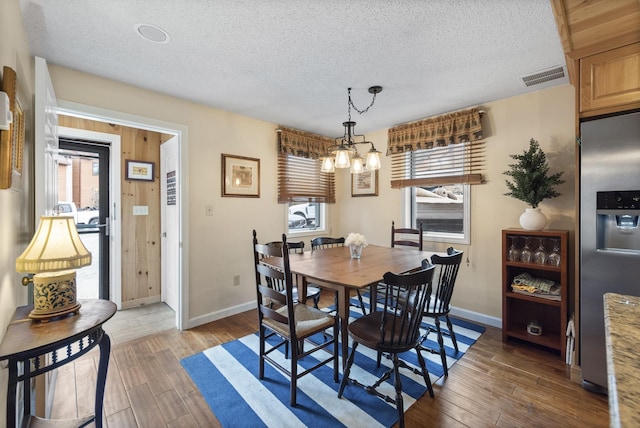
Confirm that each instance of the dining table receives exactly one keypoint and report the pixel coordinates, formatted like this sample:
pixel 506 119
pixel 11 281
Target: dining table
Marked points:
pixel 334 269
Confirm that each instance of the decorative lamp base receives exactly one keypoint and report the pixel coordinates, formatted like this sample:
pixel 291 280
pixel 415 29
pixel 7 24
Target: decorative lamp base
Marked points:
pixel 54 294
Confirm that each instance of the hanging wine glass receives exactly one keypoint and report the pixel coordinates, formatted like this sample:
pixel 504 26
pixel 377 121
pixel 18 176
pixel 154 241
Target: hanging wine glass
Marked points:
pixel 540 256
pixel 525 254
pixel 554 255
pixel 514 254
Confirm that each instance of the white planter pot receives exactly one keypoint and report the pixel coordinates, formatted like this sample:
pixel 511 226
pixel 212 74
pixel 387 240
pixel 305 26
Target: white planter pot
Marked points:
pixel 533 219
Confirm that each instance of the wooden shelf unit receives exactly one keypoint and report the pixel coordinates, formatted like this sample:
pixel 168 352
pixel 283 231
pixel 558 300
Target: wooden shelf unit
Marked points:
pixel 519 309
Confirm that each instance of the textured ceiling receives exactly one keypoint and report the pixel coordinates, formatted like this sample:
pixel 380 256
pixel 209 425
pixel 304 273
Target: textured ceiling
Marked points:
pixel 290 62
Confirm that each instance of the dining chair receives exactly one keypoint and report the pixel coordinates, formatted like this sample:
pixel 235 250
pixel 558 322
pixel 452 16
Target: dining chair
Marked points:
pixel 393 329
pixel 323 242
pixel 312 291
pixel 406 236
pixel 440 305
pixel 289 323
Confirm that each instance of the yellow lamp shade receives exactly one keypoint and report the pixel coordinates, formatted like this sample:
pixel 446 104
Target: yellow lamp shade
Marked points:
pixel 55 246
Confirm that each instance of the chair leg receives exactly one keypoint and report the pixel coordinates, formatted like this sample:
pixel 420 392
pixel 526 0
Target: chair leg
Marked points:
pixel 261 353
pixel 347 369
pixel 398 384
pixel 443 354
pixel 452 334
pixel 425 372
pixel 336 376
pixel 364 311
pixel 316 300
pixel 294 374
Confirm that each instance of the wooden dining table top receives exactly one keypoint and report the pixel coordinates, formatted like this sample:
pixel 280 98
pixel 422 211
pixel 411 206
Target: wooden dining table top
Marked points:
pixel 335 265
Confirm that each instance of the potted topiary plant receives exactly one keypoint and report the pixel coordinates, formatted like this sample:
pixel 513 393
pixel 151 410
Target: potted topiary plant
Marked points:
pixel 532 184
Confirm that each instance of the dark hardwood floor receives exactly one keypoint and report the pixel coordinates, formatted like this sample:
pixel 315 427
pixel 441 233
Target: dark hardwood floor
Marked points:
pixel 493 385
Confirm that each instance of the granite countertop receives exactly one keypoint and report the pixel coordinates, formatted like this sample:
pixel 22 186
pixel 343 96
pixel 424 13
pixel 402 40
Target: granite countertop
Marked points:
pixel 622 334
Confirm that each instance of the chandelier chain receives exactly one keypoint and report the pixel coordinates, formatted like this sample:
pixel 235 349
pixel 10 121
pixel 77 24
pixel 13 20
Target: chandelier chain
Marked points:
pixel 356 108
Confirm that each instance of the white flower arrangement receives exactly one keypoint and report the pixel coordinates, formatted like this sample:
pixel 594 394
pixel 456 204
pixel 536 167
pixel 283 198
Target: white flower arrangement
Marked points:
pixel 356 239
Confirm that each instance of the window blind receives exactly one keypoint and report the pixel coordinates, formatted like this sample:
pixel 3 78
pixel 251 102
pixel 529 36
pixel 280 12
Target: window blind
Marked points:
pixel 300 180
pixel 299 175
pixel 437 151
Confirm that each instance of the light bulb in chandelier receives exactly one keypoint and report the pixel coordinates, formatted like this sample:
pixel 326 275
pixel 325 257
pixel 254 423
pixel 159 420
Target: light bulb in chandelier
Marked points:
pixel 373 159
pixel 343 156
pixel 357 165
pixel 327 164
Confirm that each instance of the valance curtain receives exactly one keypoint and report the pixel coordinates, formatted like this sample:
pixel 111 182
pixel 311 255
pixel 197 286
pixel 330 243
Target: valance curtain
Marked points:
pixel 299 175
pixel 303 144
pixel 441 150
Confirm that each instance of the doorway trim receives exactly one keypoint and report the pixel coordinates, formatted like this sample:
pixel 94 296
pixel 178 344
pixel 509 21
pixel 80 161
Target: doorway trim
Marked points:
pixel 181 131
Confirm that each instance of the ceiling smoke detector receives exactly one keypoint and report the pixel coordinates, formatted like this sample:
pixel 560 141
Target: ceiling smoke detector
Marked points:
pixel 152 33
pixel 543 76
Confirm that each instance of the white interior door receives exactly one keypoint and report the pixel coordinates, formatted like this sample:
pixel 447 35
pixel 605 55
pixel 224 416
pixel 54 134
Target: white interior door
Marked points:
pixel 170 222
pixel 46 143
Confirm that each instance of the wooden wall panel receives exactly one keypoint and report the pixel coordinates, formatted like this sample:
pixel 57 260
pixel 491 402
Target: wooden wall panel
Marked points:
pixel 140 234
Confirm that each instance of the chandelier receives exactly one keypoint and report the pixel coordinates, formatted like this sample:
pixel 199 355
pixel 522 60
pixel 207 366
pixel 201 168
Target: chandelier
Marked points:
pixel 344 154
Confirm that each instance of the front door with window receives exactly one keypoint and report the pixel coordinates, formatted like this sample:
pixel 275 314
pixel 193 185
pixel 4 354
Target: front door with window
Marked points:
pixel 83 192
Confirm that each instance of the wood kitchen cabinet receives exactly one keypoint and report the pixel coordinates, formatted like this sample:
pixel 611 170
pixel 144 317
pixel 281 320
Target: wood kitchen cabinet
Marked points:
pixel 610 81
pixel 519 309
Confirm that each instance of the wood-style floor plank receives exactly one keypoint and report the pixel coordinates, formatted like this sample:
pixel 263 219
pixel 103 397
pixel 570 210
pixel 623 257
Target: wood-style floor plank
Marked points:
pixel 495 384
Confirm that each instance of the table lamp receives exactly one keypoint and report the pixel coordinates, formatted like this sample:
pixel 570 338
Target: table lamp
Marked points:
pixel 52 255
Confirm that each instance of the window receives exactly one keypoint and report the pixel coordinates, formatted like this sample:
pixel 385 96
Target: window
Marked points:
pixel 444 211
pixel 438 159
pixel 301 184
pixel 306 217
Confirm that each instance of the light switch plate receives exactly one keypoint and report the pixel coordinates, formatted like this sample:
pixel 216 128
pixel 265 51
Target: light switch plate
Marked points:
pixel 140 210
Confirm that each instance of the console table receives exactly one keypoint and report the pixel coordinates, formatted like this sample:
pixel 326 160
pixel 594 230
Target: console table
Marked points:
pixel 33 348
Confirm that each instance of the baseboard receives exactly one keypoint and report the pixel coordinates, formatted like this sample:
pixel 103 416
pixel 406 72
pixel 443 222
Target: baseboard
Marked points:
pixel 477 317
pixel 214 316
pixel 140 302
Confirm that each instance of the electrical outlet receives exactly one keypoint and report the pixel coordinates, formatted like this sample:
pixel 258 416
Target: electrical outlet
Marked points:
pixel 208 210
pixel 236 280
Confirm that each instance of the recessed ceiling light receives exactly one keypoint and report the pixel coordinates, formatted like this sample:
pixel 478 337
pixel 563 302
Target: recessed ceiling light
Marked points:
pixel 152 33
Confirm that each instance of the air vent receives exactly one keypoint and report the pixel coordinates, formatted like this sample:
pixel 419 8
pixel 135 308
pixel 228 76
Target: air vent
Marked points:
pixel 543 76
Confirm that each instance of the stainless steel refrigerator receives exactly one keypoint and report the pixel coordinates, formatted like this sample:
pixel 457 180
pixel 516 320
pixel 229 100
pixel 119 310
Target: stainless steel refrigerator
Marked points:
pixel 609 230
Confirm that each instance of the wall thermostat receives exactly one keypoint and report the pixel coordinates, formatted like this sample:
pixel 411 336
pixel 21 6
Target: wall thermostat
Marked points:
pixel 534 328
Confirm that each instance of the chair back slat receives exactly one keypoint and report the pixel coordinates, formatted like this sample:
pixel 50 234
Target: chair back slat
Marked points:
pixel 294 247
pixel 406 297
pixel 406 237
pixel 324 242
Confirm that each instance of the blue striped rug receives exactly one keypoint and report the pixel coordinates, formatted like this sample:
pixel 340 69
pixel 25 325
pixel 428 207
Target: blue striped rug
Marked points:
pixel 227 377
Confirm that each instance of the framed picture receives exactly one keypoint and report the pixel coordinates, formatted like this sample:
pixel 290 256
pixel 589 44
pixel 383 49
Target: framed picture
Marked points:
pixel 139 170
pixel 364 184
pixel 240 176
pixel 12 140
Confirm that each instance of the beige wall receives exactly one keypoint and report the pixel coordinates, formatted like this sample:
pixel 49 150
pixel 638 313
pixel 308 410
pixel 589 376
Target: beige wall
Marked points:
pixel 16 224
